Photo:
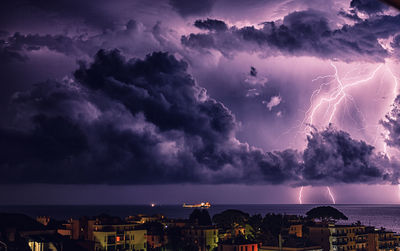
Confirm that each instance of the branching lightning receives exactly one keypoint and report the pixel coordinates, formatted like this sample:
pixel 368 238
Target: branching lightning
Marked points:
pixel 335 98
pixel 339 95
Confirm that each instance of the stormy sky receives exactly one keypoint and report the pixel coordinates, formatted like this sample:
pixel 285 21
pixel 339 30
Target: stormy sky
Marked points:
pixel 172 101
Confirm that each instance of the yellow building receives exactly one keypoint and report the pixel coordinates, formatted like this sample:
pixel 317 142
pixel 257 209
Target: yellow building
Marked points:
pixel 119 237
pixel 36 243
pixel 340 237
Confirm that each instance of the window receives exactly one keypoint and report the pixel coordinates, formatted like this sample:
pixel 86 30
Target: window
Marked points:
pixel 110 239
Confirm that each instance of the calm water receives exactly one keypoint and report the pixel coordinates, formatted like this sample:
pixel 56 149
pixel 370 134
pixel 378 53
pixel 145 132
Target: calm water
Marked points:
pixel 387 216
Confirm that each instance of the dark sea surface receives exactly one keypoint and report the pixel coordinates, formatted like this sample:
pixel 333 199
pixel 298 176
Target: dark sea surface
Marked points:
pixel 387 216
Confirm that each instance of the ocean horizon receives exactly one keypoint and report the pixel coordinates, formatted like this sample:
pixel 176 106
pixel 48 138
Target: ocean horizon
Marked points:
pixel 378 215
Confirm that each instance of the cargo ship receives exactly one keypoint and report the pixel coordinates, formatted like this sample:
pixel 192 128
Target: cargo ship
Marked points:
pixel 201 205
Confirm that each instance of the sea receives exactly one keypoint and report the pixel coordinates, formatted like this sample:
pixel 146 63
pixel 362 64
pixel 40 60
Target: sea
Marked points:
pixel 386 216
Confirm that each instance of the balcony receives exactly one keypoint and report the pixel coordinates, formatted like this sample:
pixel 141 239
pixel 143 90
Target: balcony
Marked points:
pixel 387 239
pixel 388 248
pixel 361 233
pixel 361 241
pixel 339 243
pixel 339 234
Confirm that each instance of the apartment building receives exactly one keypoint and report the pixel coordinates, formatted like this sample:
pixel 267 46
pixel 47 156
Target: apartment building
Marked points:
pixel 381 240
pixel 340 237
pixel 119 237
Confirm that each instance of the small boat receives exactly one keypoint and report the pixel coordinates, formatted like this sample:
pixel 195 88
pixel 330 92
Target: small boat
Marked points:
pixel 201 205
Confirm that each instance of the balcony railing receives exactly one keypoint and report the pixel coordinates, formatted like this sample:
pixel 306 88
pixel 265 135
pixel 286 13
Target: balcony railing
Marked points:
pixel 338 243
pixel 387 239
pixel 339 234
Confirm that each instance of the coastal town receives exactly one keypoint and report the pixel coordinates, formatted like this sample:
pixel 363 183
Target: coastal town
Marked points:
pixel 321 229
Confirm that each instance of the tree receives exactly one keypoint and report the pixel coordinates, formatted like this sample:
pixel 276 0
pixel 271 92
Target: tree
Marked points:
pixel 230 218
pixel 200 217
pixel 176 241
pixel 326 214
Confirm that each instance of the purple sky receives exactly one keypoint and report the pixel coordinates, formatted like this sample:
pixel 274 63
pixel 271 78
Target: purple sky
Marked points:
pixel 181 101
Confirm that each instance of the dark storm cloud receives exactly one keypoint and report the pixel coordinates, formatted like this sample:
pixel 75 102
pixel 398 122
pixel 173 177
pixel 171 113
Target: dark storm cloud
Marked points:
pixel 392 124
pixel 303 33
pixel 21 45
pixel 352 15
pixel 148 122
pixel 131 38
pixel 90 12
pixel 211 24
pixel 192 7
pixel 160 88
pixel 333 156
pixel 8 55
pixel 59 43
pixel 369 6
pixel 253 71
pixel 3 33
pixel 101 14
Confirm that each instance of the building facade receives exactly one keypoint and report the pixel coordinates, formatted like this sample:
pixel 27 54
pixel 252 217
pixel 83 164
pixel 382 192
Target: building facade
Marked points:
pixel 205 238
pixel 340 237
pixel 381 240
pixel 119 237
pixel 275 248
pixel 238 247
pixel 296 230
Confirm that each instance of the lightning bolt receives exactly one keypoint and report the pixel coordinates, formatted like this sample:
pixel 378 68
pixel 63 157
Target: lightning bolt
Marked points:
pixel 301 195
pixel 335 98
pixel 330 194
